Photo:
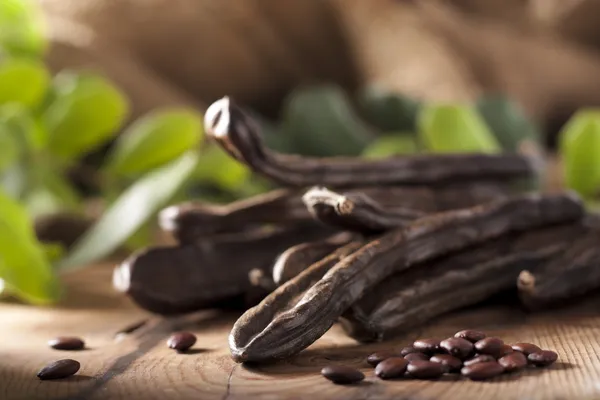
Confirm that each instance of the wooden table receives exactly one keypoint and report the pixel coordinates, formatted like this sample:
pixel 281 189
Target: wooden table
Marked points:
pixel 138 365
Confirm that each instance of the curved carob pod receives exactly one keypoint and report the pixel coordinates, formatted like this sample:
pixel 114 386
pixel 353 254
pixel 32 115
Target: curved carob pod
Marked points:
pixel 414 297
pixel 186 278
pixel 283 324
pixel 297 258
pixel 192 221
pixel 570 274
pixel 356 211
pixel 239 135
pixel 189 221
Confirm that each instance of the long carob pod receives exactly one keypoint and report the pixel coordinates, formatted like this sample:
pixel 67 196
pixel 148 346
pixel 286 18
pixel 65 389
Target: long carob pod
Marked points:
pixel 186 278
pixel 280 327
pixel 418 295
pixel 192 221
pixel 297 258
pixel 239 135
pixel 568 275
pixel 355 212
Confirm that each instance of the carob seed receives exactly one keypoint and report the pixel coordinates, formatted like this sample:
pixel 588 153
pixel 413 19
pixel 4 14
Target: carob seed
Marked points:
pixel 427 346
pixel 457 347
pixel 181 341
pixel 416 357
pixel 479 359
pixel 470 335
pixel 506 349
pixel 379 356
pixel 407 350
pixel 513 361
pixel 491 345
pixel 542 358
pixel 66 343
pixel 451 363
pixel 390 368
pixel 425 369
pixel 482 371
pixel 342 374
pixel 59 369
pixel 526 348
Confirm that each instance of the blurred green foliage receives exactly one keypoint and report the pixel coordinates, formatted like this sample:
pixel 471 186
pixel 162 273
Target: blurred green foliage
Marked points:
pixel 49 125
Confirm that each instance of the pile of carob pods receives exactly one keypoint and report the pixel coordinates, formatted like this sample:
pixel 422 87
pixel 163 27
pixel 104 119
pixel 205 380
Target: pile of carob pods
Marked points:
pixel 378 245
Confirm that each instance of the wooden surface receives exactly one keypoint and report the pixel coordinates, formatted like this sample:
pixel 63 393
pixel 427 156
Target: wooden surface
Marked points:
pixel 140 366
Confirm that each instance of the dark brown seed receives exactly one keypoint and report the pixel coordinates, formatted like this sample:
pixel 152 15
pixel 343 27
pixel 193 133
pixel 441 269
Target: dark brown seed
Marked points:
pixel 457 347
pixel 181 341
pixel 470 335
pixel 526 348
pixel 416 357
pixel 342 374
pixel 482 371
pixel 390 368
pixel 59 369
pixel 66 343
pixel 427 346
pixel 425 369
pixel 450 362
pixel 379 356
pixel 513 361
pixel 491 345
pixel 479 359
pixel 542 358
pixel 407 350
pixel 506 349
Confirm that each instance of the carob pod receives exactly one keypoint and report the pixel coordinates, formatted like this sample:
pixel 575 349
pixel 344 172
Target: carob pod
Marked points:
pixel 570 274
pixel 180 279
pixel 238 134
pixel 355 211
pixel 191 221
pixel 297 258
pixel 411 298
pixel 283 324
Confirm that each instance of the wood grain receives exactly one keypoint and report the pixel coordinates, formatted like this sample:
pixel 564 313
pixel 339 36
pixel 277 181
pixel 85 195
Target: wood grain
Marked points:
pixel 139 365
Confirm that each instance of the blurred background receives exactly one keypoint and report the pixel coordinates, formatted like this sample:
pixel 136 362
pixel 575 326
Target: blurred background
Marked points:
pixel 102 101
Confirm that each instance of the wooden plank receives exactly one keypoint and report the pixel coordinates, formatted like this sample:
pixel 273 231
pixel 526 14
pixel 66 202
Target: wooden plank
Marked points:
pixel 139 365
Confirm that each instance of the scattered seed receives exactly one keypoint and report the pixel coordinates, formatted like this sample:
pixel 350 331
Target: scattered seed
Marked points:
pixel 181 341
pixel 457 347
pixel 342 374
pixel 513 362
pixel 451 363
pixel 425 369
pixel 66 343
pixel 59 369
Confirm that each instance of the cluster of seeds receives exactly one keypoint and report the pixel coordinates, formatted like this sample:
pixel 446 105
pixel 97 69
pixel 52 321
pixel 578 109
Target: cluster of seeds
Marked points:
pixel 469 353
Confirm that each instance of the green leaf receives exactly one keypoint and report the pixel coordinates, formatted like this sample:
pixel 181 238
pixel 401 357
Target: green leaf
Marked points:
pixel 9 149
pixel 130 211
pixel 508 123
pixel 391 145
pixel 53 251
pixel 455 129
pixel 320 122
pixel 580 151
pixel 154 140
pixel 50 193
pixel 23 265
pixel 389 112
pixel 23 81
pixel 23 126
pixel 21 28
pixel 216 167
pixel 87 110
